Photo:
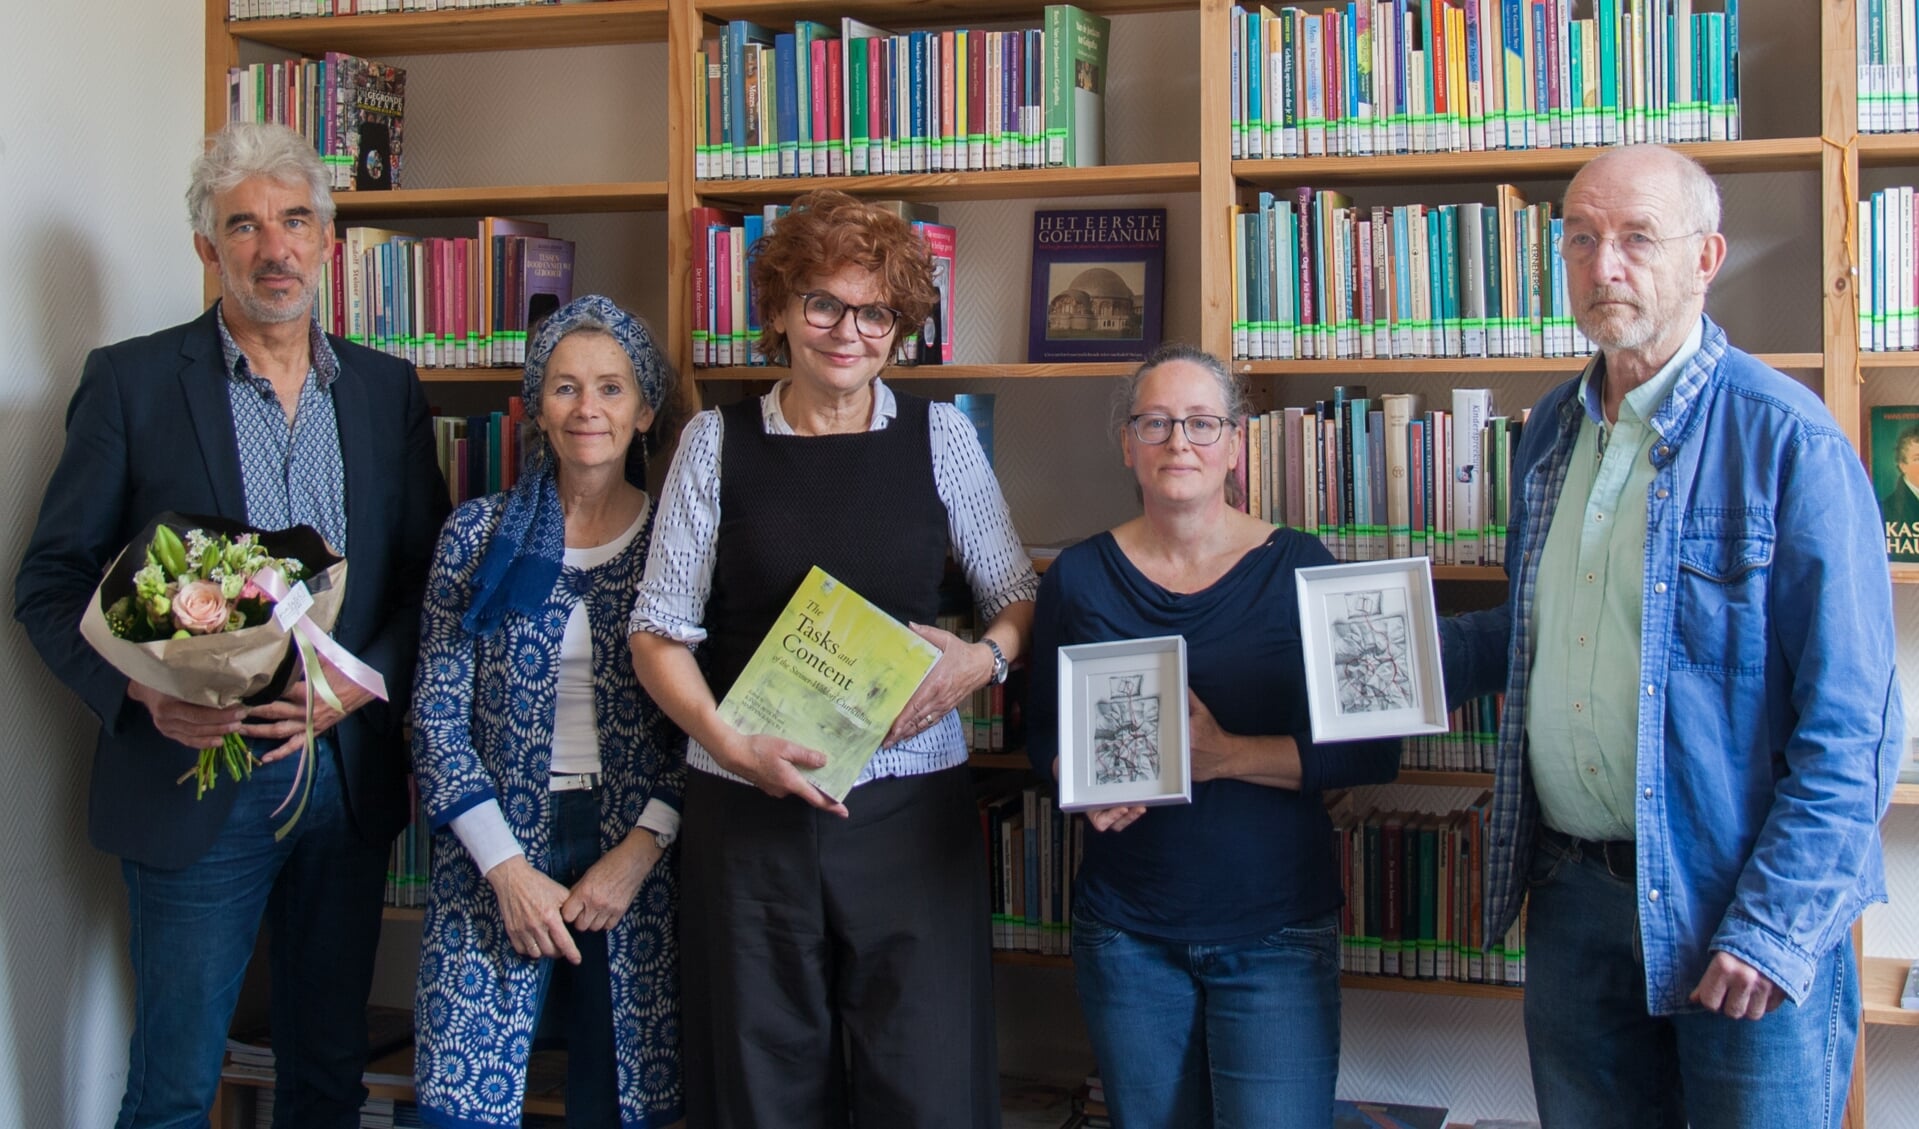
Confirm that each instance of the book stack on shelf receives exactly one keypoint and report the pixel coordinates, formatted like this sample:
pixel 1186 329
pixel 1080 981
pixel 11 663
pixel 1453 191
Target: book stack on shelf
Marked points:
pixel 1033 851
pixel 856 100
pixel 1888 294
pixel 481 454
pixel 1378 480
pixel 1317 278
pixel 353 110
pixel 1378 76
pixel 726 319
pixel 1888 91
pixel 1414 884
pixel 1089 1106
pixel 1470 743
pixel 445 302
pixel 406 863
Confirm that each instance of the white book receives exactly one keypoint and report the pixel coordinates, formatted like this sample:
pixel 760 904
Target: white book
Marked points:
pixel 1471 408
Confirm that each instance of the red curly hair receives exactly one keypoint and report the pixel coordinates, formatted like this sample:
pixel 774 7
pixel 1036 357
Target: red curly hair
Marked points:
pixel 825 231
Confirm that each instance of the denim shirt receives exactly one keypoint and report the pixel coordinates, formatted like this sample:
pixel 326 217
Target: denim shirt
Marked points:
pixel 1768 740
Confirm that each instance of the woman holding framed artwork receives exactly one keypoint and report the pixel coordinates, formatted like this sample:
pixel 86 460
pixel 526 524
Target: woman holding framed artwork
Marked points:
pixel 1205 936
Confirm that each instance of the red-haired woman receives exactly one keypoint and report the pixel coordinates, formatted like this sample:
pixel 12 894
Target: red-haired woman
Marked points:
pixel 808 926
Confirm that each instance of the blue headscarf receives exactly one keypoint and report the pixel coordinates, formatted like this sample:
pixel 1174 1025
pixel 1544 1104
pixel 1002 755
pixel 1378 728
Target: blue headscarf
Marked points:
pixel 523 561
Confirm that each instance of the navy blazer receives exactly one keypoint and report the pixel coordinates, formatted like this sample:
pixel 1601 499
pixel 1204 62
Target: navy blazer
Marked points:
pixel 150 429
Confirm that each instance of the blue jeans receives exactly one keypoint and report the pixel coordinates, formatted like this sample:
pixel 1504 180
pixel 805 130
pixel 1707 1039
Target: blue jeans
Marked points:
pixel 192 934
pixel 1236 1036
pixel 1599 1061
pixel 580 997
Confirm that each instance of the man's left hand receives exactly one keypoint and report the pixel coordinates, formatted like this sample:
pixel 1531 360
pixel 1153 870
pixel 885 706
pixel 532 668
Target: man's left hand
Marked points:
pixel 1736 989
pixel 284 720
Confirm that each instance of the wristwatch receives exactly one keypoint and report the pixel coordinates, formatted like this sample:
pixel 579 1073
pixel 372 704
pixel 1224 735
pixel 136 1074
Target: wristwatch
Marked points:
pixel 999 662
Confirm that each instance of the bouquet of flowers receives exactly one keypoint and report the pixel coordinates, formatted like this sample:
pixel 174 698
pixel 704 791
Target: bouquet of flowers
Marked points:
pixel 216 613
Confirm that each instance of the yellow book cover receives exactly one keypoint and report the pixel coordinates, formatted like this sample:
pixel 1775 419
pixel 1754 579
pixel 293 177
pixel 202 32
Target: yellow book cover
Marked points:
pixel 832 675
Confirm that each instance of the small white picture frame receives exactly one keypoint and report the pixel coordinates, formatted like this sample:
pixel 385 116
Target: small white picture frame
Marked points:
pixel 1370 633
pixel 1123 731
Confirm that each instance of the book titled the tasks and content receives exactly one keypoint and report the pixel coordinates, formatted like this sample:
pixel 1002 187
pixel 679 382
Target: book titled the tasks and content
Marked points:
pixel 832 674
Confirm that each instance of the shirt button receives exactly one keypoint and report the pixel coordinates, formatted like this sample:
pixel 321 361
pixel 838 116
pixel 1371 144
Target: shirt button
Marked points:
pixel 1592 770
pixel 1590 577
pixel 1582 640
pixel 1659 587
pixel 1578 707
pixel 1649 690
pixel 1665 450
pixel 1652 895
pixel 1649 793
pixel 1661 493
pixel 1599 517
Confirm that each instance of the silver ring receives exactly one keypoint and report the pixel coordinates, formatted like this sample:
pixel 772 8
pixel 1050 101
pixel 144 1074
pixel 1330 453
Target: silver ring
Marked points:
pixel 927 721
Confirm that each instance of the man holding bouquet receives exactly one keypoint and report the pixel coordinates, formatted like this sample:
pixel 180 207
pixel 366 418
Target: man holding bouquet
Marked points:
pixel 249 413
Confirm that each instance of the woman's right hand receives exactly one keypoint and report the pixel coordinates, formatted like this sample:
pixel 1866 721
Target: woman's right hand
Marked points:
pixel 530 905
pixel 772 764
pixel 1115 818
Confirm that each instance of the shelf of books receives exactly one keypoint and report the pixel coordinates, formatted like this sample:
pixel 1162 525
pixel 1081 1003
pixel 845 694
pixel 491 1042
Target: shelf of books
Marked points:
pixel 477 29
pixel 1420 366
pixel 1783 154
pixel 534 199
pixel 1880 981
pixel 1437 778
pixel 1906 794
pixel 939 372
pixel 389 1082
pixel 995 184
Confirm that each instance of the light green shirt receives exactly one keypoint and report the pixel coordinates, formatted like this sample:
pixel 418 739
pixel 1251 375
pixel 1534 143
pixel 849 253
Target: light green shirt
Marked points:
pixel 1582 715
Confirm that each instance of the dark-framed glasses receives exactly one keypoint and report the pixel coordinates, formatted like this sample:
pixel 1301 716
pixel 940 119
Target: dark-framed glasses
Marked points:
pixel 1153 428
pixel 824 311
pixel 1636 247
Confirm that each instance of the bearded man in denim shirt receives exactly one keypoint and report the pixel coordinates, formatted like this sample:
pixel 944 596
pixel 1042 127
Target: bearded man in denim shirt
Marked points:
pixel 1702 717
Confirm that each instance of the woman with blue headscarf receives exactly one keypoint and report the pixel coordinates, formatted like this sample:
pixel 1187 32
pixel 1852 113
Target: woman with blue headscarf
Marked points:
pixel 551 780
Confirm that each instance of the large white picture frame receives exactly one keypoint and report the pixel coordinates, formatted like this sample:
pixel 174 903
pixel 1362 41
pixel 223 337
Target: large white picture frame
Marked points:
pixel 1370 633
pixel 1123 731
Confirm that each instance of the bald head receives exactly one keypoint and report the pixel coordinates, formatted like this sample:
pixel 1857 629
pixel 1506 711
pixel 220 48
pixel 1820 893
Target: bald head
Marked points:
pixel 1657 169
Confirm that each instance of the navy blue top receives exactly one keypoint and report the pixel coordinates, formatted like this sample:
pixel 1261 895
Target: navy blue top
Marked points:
pixel 1243 859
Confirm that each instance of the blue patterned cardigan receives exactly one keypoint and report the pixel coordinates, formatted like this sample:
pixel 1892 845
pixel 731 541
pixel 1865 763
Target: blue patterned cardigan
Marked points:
pixel 482 729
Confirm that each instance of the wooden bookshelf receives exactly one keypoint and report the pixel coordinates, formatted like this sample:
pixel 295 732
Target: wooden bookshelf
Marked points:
pixel 1432 778
pixel 1788 154
pixel 478 29
pixel 999 184
pixel 1476 366
pixel 526 199
pixel 1459 988
pixel 1880 980
pixel 1015 760
pixel 1905 795
pixel 896 373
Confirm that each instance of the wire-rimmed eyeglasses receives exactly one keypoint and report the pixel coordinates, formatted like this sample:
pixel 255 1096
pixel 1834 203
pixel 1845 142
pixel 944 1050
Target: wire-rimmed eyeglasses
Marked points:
pixel 1636 247
pixel 1154 428
pixel 824 311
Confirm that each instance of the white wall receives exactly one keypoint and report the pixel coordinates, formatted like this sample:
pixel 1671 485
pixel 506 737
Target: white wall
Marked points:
pixel 98 114
pixel 99 108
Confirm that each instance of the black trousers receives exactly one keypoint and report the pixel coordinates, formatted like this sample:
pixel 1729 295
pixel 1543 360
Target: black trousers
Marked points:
pixel 837 971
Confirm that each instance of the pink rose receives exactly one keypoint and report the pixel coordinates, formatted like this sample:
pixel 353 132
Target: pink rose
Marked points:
pixel 200 608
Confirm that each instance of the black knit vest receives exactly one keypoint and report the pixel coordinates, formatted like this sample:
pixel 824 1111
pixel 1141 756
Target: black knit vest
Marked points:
pixel 862 506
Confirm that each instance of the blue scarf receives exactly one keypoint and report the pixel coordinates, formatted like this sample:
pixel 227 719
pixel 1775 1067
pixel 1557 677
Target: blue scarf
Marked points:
pixel 523 560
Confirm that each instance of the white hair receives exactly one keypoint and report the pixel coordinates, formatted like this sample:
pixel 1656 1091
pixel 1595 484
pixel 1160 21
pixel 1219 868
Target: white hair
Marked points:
pixel 244 150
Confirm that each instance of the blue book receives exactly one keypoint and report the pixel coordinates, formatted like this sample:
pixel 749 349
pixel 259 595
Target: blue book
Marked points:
pixel 739 33
pixel 920 131
pixel 754 225
pixel 786 101
pixel 978 409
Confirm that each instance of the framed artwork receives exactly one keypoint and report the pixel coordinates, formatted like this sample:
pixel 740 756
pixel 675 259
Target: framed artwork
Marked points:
pixel 1371 639
pixel 1123 736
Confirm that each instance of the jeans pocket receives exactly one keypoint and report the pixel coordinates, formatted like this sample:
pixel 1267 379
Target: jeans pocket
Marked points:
pixel 1317 939
pixel 1092 933
pixel 1548 858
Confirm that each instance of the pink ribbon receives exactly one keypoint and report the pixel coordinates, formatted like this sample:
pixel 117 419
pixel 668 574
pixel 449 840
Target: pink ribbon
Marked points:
pixel 359 673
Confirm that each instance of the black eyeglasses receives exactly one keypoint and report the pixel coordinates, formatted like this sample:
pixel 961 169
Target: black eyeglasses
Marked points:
pixel 1152 428
pixel 824 311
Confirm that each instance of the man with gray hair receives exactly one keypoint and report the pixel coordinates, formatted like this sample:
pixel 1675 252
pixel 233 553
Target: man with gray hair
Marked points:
pixel 248 412
pixel 1702 718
